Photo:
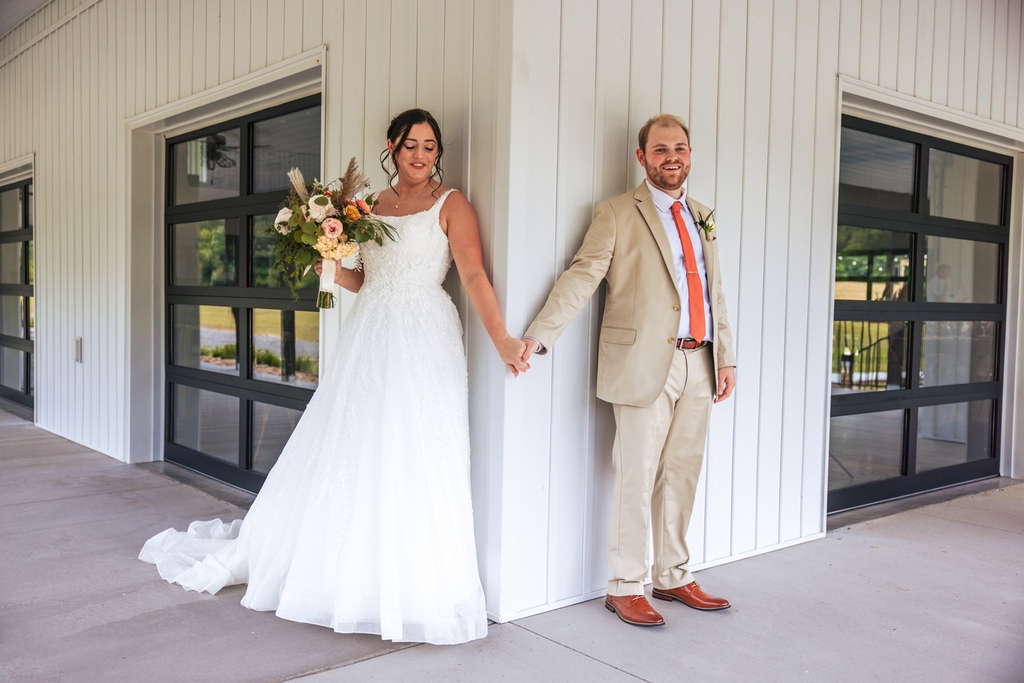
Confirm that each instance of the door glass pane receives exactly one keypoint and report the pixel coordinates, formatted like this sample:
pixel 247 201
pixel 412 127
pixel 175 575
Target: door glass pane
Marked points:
pixel 12 369
pixel 31 206
pixel 964 188
pixel 11 272
pixel 264 274
pixel 207 422
pixel 32 318
pixel 31 262
pixel 207 168
pixel 868 356
pixel 876 171
pixel 872 265
pixel 10 209
pixel 283 143
pixel 271 427
pixel 12 316
pixel 205 337
pixel 958 352
pixel 205 253
pixel 865 448
pixel 953 434
pixel 31 374
pixel 961 271
pixel 286 347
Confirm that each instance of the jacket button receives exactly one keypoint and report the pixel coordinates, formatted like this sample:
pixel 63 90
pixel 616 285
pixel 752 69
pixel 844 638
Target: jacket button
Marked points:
pixel 671 340
pixel 676 307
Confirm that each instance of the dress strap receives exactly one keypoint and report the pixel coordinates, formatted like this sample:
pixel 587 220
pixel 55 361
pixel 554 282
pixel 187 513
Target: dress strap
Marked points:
pixel 440 202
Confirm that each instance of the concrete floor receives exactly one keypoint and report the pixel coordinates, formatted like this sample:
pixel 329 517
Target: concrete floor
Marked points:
pixel 934 592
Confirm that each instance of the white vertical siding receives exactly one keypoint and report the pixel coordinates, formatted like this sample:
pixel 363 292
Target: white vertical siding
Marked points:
pixel 757 81
pixel 74 71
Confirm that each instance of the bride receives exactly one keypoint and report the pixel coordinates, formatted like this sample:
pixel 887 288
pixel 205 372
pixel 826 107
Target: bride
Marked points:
pixel 365 524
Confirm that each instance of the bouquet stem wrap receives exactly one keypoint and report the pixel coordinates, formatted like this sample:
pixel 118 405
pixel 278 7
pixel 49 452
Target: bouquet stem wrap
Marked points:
pixel 325 297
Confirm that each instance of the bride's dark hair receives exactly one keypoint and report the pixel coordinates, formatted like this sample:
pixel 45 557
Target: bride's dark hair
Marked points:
pixel 398 133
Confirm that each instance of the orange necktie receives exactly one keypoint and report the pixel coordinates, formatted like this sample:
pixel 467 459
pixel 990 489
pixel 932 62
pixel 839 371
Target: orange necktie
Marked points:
pixel 694 287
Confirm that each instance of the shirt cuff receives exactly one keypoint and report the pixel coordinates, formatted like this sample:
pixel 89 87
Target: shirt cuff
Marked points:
pixel 540 347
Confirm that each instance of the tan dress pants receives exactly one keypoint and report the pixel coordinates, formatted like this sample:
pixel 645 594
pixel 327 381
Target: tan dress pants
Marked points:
pixel 657 457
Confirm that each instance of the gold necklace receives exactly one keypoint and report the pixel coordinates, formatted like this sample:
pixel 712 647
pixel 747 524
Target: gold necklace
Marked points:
pixel 399 203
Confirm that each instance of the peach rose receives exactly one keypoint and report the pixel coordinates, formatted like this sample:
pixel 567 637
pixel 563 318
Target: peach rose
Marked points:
pixel 332 227
pixel 363 206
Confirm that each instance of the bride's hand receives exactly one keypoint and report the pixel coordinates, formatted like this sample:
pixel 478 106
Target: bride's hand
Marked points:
pixel 511 351
pixel 318 266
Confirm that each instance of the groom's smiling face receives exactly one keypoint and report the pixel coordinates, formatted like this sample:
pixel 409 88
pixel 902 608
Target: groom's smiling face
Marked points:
pixel 666 158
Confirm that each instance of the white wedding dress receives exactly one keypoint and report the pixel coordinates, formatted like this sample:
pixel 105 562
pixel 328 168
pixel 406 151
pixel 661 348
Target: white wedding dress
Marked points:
pixel 365 524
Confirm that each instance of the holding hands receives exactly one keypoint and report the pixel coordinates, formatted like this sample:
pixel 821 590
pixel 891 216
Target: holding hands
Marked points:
pixel 513 352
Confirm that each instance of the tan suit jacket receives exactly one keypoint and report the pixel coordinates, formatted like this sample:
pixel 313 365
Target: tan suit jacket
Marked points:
pixel 626 245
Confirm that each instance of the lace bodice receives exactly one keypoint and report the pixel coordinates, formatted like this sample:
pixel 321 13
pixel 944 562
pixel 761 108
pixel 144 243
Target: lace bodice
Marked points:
pixel 418 256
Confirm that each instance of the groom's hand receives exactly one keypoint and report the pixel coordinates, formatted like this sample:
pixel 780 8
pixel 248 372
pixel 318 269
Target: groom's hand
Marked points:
pixel 726 383
pixel 531 348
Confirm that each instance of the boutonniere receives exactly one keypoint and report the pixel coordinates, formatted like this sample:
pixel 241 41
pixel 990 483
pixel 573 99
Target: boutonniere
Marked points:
pixel 707 224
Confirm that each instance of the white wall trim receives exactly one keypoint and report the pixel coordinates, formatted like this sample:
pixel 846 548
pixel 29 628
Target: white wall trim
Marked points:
pixel 885 106
pixel 888 106
pixel 289 79
pixel 17 169
pixel 145 135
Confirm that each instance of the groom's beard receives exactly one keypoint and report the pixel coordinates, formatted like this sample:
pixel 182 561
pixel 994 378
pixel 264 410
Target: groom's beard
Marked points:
pixel 669 181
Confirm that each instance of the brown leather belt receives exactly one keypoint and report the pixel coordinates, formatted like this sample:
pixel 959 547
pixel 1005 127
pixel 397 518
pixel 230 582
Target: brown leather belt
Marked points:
pixel 689 343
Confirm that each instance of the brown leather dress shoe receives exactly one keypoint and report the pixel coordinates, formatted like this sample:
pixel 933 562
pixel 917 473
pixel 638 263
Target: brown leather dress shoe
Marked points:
pixel 692 595
pixel 633 609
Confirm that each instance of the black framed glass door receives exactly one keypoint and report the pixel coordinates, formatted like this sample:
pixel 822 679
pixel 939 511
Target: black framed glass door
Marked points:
pixel 17 294
pixel 242 357
pixel 920 310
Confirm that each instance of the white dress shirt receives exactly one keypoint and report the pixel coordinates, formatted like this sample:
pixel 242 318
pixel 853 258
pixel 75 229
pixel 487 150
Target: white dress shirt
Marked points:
pixel 664 203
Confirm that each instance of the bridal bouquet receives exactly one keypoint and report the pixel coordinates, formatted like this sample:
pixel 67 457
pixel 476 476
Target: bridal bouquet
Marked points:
pixel 327 221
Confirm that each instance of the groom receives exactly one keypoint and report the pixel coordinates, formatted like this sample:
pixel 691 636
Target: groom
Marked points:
pixel 665 356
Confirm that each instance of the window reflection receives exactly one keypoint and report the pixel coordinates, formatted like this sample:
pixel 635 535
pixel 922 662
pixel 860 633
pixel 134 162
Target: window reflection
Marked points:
pixel 205 253
pixel 961 271
pixel 958 352
pixel 876 171
pixel 12 316
pixel 868 356
pixel 10 210
pixel 283 143
pixel 207 422
pixel 863 448
pixel 207 168
pixel 11 271
pixel 205 337
pixel 953 434
pixel 286 347
pixel 271 427
pixel 12 369
pixel 871 264
pixel 964 188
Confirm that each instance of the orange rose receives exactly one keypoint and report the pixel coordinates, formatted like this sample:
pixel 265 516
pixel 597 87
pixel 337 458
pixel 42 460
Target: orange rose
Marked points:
pixel 363 206
pixel 351 213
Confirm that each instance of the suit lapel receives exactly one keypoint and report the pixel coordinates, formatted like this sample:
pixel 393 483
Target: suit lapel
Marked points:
pixel 650 213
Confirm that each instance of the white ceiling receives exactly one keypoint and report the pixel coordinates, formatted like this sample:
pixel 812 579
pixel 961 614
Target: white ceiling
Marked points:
pixel 13 12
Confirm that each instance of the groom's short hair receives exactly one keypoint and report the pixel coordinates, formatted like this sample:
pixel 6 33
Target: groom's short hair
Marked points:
pixel 660 120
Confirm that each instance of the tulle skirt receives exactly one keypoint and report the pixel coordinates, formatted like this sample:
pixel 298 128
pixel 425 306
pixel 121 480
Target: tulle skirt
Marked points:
pixel 365 524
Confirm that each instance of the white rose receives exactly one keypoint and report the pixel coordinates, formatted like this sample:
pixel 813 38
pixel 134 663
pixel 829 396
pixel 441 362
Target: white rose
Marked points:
pixel 283 217
pixel 320 207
